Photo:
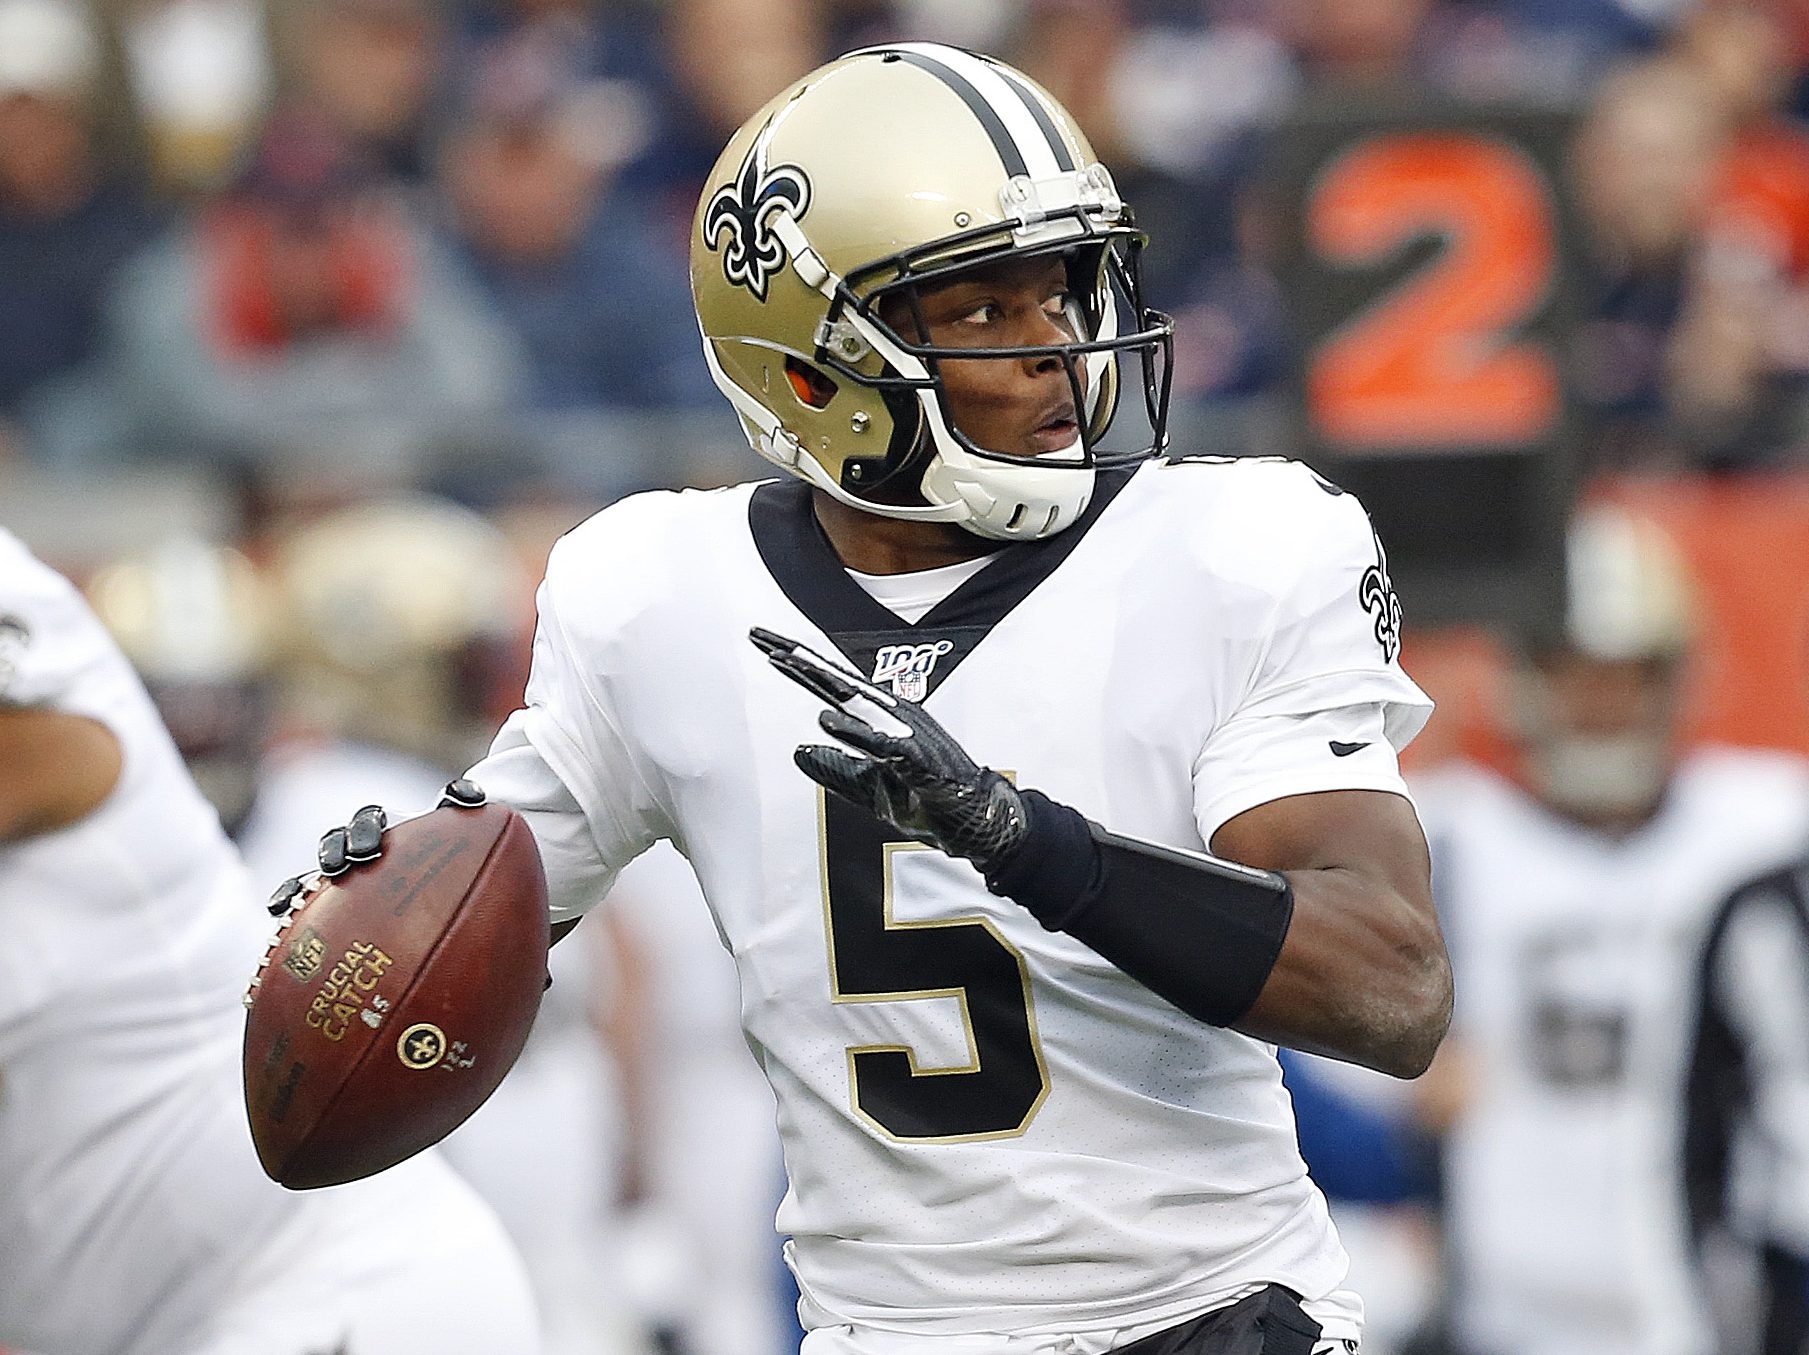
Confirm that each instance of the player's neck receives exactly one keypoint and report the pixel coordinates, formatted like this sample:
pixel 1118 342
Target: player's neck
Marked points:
pixel 876 545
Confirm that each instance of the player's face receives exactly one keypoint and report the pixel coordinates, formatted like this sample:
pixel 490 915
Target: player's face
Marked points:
pixel 1601 735
pixel 1014 406
pixel 1608 698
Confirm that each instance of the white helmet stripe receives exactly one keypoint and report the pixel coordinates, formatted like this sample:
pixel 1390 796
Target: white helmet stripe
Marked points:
pixel 999 105
pixel 1064 154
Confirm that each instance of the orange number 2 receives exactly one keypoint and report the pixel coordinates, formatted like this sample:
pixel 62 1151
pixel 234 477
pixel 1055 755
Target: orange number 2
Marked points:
pixel 1433 364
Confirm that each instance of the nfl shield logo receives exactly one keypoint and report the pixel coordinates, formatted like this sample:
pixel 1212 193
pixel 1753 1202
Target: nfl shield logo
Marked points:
pixel 908 667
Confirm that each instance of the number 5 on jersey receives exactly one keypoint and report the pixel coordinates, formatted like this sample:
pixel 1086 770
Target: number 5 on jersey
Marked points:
pixel 873 957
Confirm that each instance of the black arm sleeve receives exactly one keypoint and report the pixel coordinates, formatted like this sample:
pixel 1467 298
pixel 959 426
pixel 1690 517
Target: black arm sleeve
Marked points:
pixel 1198 931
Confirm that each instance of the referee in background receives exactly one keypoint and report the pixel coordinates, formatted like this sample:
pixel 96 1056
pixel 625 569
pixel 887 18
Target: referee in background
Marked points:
pixel 1746 1139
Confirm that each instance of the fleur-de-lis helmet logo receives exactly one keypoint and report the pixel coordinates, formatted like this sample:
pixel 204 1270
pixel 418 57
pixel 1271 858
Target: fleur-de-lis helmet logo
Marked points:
pixel 744 210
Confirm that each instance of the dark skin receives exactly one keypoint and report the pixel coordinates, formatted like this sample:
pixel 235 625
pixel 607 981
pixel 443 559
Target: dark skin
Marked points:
pixel 55 770
pixel 1363 975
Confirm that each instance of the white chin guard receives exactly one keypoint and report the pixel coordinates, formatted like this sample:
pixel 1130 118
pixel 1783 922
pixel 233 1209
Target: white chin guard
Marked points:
pixel 1019 501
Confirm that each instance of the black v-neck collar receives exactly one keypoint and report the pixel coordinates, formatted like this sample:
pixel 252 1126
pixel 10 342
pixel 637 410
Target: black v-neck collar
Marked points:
pixel 798 555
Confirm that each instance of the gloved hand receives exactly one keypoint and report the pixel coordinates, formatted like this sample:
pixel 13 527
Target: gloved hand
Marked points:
pixel 359 841
pixel 922 782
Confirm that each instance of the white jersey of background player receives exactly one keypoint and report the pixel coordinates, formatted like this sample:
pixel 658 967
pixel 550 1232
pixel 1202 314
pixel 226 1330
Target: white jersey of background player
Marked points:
pixel 387 714
pixel 696 1247
pixel 134 1218
pixel 1576 908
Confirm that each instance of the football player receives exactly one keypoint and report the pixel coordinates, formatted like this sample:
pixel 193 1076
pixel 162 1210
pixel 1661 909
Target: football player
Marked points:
pixel 135 1217
pixel 1110 804
pixel 1578 894
pixel 387 701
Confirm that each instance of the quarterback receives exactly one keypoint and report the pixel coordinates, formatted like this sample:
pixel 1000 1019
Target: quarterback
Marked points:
pixel 1110 804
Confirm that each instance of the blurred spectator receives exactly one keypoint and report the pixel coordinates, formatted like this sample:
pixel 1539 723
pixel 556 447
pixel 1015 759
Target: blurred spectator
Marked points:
pixel 1358 45
pixel 625 53
pixel 577 263
pixel 734 55
pixel 1695 195
pixel 1742 371
pixel 372 68
pixel 1645 159
pixel 201 77
pixel 304 321
pixel 66 220
pixel 1762 189
pixel 1576 896
pixel 979 25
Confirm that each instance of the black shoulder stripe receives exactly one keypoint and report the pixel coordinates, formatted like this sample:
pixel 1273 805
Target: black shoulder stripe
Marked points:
pixel 1063 156
pixel 1009 153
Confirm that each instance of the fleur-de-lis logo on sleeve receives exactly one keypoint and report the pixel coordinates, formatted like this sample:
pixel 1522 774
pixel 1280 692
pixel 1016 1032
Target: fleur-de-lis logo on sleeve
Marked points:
pixel 743 211
pixel 1376 593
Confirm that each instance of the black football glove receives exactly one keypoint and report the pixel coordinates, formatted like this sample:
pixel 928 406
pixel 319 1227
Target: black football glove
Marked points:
pixel 359 841
pixel 921 782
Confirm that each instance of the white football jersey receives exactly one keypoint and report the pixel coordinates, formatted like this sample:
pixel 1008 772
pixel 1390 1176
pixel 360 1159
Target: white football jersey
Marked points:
pixel 1575 959
pixel 987 1127
pixel 134 1218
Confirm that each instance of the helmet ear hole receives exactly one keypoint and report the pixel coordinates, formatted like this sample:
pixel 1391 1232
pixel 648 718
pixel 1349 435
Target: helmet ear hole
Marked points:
pixel 904 454
pixel 813 387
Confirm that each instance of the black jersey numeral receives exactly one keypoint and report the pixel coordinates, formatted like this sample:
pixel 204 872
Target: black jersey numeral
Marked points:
pixel 875 958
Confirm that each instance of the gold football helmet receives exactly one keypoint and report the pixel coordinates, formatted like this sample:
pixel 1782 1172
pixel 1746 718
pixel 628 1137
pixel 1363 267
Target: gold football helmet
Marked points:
pixel 889 169
pixel 403 619
pixel 1598 700
pixel 197 621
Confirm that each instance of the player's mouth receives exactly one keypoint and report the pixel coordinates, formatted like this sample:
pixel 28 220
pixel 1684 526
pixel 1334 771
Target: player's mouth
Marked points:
pixel 1058 431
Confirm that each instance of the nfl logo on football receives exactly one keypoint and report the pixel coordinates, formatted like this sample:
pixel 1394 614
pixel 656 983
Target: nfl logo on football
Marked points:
pixel 908 667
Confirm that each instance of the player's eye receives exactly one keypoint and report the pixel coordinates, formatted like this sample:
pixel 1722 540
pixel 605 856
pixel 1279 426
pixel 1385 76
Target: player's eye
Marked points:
pixel 986 313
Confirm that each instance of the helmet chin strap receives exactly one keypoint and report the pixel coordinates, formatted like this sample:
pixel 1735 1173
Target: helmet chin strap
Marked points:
pixel 1016 501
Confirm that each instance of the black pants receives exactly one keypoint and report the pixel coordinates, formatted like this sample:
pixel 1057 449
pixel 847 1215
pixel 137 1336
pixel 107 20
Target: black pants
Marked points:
pixel 1269 1322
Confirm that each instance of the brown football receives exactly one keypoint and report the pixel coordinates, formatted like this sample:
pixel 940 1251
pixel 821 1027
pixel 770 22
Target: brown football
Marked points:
pixel 394 998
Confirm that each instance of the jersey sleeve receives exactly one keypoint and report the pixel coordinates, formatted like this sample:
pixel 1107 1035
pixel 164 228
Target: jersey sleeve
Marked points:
pixel 1326 704
pixel 562 763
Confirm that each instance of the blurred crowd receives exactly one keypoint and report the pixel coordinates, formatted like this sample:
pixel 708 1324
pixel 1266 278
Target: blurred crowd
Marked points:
pixel 382 242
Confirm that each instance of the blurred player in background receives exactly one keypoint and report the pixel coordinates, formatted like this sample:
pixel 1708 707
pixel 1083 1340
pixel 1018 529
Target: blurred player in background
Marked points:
pixel 402 625
pixel 401 620
pixel 134 1218
pixel 695 1256
pixel 1577 898
pixel 196 620
pixel 702 1174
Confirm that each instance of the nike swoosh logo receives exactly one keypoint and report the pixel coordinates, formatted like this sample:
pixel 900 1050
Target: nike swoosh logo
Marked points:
pixel 1346 749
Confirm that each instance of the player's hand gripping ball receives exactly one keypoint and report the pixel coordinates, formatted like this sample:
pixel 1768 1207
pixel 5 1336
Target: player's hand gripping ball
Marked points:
pixel 399 990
